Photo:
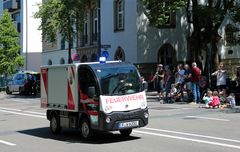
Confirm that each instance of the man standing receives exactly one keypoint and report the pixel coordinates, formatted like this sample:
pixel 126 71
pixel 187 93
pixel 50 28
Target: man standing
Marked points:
pixel 158 78
pixel 221 74
pixel 195 75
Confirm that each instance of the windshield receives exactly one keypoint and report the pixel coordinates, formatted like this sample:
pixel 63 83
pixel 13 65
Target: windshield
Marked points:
pixel 118 81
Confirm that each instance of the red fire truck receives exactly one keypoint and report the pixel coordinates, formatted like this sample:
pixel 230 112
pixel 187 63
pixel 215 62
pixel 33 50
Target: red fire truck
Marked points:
pixel 94 96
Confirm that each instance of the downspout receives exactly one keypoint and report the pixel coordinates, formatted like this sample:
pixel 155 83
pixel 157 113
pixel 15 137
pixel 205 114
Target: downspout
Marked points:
pixel 99 28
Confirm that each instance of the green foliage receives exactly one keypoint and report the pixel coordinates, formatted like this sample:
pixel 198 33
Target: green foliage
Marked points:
pixel 60 16
pixel 158 11
pixel 235 13
pixel 10 58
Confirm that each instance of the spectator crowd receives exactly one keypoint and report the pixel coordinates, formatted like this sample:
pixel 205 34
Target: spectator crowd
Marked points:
pixel 183 83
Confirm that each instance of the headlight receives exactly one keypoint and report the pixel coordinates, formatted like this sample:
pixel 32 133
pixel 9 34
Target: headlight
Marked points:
pixel 108 119
pixel 146 115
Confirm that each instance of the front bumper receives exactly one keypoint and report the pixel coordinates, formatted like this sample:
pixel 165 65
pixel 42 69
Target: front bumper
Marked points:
pixel 121 117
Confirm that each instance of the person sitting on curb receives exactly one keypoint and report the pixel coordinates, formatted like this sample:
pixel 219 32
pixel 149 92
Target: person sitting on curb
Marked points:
pixel 231 100
pixel 215 103
pixel 207 98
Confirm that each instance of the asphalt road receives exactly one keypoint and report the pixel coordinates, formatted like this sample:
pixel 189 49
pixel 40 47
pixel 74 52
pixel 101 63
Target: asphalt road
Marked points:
pixel 172 128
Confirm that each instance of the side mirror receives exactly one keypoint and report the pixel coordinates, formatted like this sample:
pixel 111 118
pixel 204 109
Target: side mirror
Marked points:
pixel 91 91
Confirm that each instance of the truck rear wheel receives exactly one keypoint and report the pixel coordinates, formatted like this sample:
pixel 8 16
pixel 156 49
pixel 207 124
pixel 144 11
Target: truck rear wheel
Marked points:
pixel 85 129
pixel 55 124
pixel 126 132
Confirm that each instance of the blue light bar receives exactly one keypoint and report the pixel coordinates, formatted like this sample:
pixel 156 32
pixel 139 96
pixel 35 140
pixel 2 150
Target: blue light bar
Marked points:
pixel 102 59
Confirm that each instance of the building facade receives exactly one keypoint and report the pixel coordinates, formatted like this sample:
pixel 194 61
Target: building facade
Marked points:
pixel 126 34
pixel 229 45
pixel 22 12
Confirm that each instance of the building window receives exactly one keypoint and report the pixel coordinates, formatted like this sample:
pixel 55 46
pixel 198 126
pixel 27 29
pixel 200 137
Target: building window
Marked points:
pixel 62 61
pixel 85 29
pixel 119 15
pixel 93 57
pixel 63 43
pixel 119 55
pixel 49 62
pixel 84 58
pixel 95 24
pixel 230 35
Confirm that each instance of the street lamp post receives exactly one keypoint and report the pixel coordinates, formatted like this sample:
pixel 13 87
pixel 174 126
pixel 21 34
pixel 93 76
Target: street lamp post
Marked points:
pixel 99 28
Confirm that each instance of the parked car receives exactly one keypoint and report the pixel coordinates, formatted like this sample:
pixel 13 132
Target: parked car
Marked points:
pixel 24 82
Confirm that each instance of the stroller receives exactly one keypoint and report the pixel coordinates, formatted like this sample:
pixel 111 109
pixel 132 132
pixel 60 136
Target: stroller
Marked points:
pixel 180 93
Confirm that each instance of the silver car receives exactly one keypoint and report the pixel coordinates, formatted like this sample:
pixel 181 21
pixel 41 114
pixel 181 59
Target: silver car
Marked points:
pixel 21 82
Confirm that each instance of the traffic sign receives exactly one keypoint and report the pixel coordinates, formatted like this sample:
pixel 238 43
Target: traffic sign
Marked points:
pixel 105 46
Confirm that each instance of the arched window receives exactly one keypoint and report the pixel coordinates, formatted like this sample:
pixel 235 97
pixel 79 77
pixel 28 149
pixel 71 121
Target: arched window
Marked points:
pixel 62 61
pixel 49 62
pixel 167 55
pixel 119 54
pixel 84 58
pixel 94 57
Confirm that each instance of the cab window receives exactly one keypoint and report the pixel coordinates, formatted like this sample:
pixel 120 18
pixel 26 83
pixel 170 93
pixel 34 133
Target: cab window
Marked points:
pixel 87 79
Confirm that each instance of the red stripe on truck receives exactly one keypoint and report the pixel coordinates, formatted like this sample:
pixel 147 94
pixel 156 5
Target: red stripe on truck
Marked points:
pixel 45 80
pixel 71 105
pixel 44 100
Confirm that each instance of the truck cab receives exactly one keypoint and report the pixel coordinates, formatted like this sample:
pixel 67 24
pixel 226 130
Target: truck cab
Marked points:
pixel 94 96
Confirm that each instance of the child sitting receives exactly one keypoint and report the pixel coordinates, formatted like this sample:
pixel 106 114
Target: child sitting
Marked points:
pixel 207 98
pixel 215 103
pixel 231 100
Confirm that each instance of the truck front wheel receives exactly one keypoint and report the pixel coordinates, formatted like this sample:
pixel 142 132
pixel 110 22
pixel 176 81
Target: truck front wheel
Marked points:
pixel 85 129
pixel 126 132
pixel 55 124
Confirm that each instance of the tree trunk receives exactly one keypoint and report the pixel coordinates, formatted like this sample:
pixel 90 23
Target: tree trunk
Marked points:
pixel 196 33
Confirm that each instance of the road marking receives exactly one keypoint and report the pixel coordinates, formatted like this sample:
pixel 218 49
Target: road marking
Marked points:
pixel 207 118
pixel 38 113
pixel 7 143
pixel 188 139
pixel 190 134
pixel 24 114
pixel 147 133
pixel 18 110
pixel 25 100
pixel 10 109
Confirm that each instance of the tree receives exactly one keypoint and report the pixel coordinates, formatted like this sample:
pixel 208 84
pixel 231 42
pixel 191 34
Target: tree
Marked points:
pixel 158 10
pixel 10 58
pixel 205 18
pixel 61 16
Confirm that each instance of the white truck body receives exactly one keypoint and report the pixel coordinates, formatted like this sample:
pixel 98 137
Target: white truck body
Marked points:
pixel 114 105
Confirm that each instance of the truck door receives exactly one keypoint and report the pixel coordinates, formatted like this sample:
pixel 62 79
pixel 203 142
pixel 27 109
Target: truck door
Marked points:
pixel 87 79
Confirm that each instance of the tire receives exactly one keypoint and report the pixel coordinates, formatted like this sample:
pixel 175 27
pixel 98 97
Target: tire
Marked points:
pixel 55 124
pixel 8 91
pixel 126 132
pixel 85 129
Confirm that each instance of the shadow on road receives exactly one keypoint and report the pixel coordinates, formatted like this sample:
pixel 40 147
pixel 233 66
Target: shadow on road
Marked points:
pixel 74 136
pixel 16 95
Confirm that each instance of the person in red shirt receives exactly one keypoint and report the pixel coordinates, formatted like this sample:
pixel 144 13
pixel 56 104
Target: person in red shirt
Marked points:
pixel 195 77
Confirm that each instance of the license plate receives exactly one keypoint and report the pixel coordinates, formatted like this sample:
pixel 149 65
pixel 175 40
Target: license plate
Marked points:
pixel 128 124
